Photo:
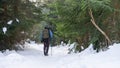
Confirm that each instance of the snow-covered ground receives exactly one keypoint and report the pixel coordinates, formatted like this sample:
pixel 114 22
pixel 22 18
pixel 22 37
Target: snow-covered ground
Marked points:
pixel 32 57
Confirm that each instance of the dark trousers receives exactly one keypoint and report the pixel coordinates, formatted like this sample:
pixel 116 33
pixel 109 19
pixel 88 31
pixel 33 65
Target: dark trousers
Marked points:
pixel 46 46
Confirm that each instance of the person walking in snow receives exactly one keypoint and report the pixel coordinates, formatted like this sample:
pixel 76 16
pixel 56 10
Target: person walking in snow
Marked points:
pixel 46 37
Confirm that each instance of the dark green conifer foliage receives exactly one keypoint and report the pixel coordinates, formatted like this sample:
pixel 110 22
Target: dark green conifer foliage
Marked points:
pixel 23 14
pixel 73 21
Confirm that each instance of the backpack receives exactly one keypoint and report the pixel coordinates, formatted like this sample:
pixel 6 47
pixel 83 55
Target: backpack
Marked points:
pixel 45 33
pixel 51 34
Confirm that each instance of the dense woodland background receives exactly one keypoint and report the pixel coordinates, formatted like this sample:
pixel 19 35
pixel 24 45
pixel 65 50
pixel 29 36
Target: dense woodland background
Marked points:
pixel 69 20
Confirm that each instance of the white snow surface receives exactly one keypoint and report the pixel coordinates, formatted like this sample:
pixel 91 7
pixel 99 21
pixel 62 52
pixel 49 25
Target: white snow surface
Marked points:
pixel 4 30
pixel 32 57
pixel 9 22
pixel 17 20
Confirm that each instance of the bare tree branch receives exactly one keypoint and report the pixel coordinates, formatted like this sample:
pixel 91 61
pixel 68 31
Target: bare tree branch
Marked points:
pixel 93 22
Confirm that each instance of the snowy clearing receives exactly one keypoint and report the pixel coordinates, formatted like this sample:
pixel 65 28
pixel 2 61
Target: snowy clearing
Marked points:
pixel 32 57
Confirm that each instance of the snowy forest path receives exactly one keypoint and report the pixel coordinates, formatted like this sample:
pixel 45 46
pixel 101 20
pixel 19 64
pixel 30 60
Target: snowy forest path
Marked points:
pixel 33 55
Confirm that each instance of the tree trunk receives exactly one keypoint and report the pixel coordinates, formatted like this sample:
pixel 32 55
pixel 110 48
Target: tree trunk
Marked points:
pixel 94 23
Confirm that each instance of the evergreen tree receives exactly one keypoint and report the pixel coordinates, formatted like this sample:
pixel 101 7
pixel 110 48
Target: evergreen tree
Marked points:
pixel 74 22
pixel 22 15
